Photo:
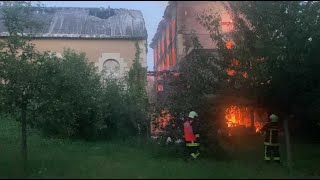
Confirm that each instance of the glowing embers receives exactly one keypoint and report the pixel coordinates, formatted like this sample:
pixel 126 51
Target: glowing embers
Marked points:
pixel 229 44
pixel 234 63
pixel 231 72
pixel 245 74
pixel 160 122
pixel 241 116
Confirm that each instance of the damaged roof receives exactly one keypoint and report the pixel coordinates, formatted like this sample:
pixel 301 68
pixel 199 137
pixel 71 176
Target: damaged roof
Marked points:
pixel 70 22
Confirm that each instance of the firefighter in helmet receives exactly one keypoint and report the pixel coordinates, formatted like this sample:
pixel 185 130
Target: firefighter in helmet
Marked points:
pixel 271 141
pixel 191 137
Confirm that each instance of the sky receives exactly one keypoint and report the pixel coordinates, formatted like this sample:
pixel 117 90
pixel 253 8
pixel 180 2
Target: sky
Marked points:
pixel 152 13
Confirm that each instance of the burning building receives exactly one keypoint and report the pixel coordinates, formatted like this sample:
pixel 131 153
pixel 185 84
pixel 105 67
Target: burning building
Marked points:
pixel 171 44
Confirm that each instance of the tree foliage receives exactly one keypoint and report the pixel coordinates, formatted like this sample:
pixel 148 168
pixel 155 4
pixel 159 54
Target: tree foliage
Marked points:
pixel 276 43
pixel 18 64
pixel 137 94
pixel 69 100
pixel 65 97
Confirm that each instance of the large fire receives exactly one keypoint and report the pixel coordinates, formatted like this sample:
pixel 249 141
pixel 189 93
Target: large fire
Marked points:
pixel 236 116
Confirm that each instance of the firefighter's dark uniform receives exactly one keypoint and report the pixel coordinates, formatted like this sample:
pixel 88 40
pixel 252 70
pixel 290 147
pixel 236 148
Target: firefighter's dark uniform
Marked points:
pixel 271 141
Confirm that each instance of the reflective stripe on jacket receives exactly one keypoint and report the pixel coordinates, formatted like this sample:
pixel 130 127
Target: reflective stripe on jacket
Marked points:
pixel 272 134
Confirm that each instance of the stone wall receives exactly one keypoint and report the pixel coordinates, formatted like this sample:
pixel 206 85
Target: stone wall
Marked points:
pixel 98 51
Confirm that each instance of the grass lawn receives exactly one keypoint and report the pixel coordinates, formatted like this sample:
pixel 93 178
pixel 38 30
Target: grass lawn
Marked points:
pixel 57 158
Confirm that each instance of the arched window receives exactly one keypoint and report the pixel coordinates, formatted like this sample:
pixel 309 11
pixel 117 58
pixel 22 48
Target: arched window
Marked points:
pixel 111 67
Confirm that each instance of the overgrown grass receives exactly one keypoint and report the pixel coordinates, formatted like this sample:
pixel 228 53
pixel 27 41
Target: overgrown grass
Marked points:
pixel 58 158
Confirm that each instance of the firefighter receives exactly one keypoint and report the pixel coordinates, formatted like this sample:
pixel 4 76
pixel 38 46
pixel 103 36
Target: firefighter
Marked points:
pixel 271 142
pixel 191 143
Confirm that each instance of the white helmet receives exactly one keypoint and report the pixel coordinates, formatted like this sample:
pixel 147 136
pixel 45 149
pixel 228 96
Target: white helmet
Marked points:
pixel 274 118
pixel 193 114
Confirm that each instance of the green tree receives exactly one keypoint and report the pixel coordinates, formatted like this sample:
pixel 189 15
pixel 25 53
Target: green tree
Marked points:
pixel 137 94
pixel 117 118
pixel 70 97
pixel 18 61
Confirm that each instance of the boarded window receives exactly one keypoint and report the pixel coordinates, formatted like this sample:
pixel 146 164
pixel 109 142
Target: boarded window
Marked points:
pixel 111 67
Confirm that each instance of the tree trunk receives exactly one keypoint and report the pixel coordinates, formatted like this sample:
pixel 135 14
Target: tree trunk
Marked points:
pixel 24 136
pixel 287 139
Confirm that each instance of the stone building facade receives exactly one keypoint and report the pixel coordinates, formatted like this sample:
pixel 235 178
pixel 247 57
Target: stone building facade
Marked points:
pixel 107 36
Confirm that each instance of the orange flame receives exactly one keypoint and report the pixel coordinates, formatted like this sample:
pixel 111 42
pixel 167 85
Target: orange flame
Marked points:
pixel 235 62
pixel 245 74
pixel 229 45
pixel 161 122
pixel 236 116
pixel 232 116
pixel 231 72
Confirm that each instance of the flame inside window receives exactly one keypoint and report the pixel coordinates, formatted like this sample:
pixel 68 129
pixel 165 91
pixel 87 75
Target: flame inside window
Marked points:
pixel 236 116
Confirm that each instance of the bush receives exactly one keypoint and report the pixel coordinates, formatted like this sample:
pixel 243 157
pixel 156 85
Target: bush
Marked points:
pixel 66 97
pixel 68 105
pixel 76 102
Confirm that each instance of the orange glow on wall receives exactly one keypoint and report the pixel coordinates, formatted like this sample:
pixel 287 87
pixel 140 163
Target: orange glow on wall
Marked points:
pixel 162 66
pixel 162 44
pixel 227 24
pixel 168 35
pixel 173 28
pixel 159 51
pixel 168 62
pixel 173 56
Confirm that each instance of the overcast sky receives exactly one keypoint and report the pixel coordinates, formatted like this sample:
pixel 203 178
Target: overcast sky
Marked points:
pixel 152 13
